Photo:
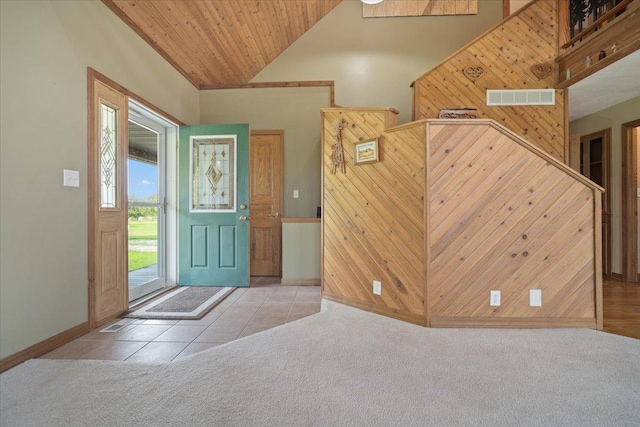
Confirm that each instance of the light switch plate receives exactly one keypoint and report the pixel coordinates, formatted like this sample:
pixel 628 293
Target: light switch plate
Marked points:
pixel 71 178
pixel 638 195
pixel 535 298
pixel 296 194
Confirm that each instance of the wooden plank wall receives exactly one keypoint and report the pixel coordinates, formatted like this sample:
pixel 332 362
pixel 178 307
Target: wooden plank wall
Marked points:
pixel 453 210
pixel 373 215
pixel 505 218
pixel 506 53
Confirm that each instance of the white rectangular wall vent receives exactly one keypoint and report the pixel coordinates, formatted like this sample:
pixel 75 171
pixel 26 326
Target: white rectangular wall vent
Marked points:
pixel 497 97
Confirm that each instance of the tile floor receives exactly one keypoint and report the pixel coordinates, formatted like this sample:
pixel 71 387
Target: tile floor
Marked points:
pixel 246 311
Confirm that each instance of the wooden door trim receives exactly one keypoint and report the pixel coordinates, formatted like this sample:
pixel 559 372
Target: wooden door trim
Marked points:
pixel 94 210
pixel 629 210
pixel 605 134
pixel 92 77
pixel 280 134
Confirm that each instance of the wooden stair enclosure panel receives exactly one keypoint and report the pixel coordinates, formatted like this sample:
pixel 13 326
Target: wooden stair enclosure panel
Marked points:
pixel 506 54
pixel 373 218
pixel 453 210
pixel 504 216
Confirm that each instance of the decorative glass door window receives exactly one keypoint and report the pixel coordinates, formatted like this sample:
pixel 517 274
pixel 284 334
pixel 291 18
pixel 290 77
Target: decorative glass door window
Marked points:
pixel 108 157
pixel 213 173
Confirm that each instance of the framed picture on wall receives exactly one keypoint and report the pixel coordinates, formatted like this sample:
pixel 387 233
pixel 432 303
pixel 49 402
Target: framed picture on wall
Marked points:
pixel 366 152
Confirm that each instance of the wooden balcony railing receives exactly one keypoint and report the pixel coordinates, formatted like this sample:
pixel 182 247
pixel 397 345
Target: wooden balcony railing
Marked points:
pixel 610 38
pixel 609 15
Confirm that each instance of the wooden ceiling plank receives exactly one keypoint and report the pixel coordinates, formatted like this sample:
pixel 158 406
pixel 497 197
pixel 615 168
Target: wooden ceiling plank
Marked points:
pixel 286 24
pixel 252 39
pixel 214 60
pixel 260 32
pixel 117 7
pixel 274 17
pixel 220 42
pixel 250 59
pixel 211 63
pixel 160 15
pixel 244 57
pixel 213 34
pixel 301 27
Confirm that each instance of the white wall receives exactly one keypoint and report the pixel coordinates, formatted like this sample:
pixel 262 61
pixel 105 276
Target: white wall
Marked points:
pixel 294 110
pixel 45 47
pixel 613 118
pixel 516 5
pixel 301 251
pixel 374 60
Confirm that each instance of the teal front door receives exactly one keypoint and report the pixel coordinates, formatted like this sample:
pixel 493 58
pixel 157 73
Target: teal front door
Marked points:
pixel 213 224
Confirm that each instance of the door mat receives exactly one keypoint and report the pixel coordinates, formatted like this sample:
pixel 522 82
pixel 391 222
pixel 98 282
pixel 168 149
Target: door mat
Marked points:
pixel 185 303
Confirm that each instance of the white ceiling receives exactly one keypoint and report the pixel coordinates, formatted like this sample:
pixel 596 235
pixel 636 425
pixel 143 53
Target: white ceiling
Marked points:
pixel 612 85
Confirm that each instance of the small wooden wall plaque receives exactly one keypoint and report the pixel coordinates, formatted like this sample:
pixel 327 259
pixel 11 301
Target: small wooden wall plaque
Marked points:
pixel 458 113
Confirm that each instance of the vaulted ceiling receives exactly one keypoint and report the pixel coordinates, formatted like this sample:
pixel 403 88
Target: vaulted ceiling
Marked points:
pixel 220 43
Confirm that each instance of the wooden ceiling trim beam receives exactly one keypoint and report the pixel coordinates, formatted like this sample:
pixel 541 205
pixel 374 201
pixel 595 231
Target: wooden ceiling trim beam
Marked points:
pixel 139 31
pixel 258 85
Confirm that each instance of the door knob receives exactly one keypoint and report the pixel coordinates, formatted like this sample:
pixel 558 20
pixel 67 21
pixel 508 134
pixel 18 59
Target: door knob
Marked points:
pixel 243 218
pixel 243 206
pixel 275 215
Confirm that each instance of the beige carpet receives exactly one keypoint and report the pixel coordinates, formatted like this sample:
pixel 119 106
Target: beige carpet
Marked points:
pixel 346 367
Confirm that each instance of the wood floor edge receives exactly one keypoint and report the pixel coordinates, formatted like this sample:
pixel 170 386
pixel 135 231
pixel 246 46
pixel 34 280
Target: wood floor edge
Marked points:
pixel 512 322
pixel 44 346
pixel 389 312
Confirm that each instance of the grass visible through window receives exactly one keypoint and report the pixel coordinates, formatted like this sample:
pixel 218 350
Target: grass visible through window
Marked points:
pixel 143 243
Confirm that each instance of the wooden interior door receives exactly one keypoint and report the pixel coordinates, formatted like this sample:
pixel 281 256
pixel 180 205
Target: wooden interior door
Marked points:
pixel 107 183
pixel 595 164
pixel 266 201
pixel 630 201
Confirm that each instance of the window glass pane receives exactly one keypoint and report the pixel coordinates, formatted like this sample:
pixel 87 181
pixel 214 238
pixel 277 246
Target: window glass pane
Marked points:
pixel 143 245
pixel 143 165
pixel 213 174
pixel 108 157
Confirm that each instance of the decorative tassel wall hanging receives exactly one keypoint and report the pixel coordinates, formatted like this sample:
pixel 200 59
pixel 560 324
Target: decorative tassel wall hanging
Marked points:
pixel 337 156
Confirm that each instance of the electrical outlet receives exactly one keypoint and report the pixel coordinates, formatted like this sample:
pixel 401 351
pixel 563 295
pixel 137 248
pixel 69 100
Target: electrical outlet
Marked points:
pixel 377 287
pixel 535 298
pixel 494 301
